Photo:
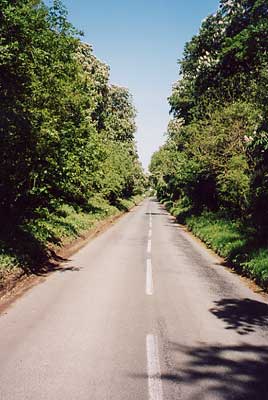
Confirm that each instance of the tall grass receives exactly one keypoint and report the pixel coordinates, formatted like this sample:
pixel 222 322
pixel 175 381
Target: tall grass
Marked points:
pixel 31 243
pixel 231 239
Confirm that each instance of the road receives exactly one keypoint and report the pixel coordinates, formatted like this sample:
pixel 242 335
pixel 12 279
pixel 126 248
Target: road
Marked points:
pixel 142 312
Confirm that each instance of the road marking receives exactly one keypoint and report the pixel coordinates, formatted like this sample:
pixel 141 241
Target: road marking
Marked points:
pixel 149 246
pixel 150 233
pixel 149 278
pixel 153 369
pixel 150 218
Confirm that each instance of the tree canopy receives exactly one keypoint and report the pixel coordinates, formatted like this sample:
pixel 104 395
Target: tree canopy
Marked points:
pixel 216 152
pixel 66 133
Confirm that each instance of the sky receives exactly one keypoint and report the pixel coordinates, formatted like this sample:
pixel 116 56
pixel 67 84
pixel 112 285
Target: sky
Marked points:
pixel 142 40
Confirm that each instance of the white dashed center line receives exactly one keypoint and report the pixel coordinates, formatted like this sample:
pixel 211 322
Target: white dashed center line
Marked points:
pixel 149 272
pixel 149 246
pixel 153 369
pixel 149 278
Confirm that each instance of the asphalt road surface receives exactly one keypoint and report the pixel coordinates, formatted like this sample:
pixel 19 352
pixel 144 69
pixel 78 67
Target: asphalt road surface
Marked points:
pixel 141 312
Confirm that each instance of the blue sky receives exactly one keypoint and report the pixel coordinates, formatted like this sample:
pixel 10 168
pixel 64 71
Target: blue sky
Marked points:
pixel 142 40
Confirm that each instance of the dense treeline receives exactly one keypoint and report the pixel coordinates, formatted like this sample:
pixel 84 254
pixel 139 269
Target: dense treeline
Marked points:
pixel 215 158
pixel 68 153
pixel 66 133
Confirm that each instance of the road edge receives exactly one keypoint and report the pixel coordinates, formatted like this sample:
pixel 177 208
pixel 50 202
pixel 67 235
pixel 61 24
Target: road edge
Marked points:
pixel 23 282
pixel 250 283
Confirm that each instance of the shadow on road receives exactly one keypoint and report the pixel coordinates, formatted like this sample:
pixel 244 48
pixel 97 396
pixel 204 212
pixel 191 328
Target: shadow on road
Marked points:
pixel 238 372
pixel 67 269
pixel 227 372
pixel 153 213
pixel 242 315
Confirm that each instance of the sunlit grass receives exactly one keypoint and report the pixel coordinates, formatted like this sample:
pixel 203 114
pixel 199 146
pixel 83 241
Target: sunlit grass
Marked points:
pixel 29 244
pixel 234 242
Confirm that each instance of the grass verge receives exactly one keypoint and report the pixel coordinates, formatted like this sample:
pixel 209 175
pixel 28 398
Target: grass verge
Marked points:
pixel 31 246
pixel 236 243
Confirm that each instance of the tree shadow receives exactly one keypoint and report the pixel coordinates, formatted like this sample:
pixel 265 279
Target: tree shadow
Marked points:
pixel 67 269
pixel 242 315
pixel 155 213
pixel 223 372
pixel 238 372
pixel 121 206
pixel 28 252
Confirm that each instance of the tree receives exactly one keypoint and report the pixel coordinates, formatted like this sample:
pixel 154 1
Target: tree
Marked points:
pixel 219 125
pixel 64 128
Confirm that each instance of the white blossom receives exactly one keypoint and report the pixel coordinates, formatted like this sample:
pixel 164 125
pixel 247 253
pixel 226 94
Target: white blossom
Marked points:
pixel 248 139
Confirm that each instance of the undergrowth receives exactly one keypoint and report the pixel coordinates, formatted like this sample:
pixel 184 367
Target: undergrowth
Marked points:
pixel 231 239
pixel 28 246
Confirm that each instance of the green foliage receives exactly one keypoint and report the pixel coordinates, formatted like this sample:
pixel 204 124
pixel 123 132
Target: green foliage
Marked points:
pixel 37 80
pixel 181 209
pixel 257 266
pixel 30 246
pixel 120 115
pixel 222 235
pixel 216 153
pixel 215 159
pixel 60 119
pixel 65 222
pixel 67 135
pixel 233 241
